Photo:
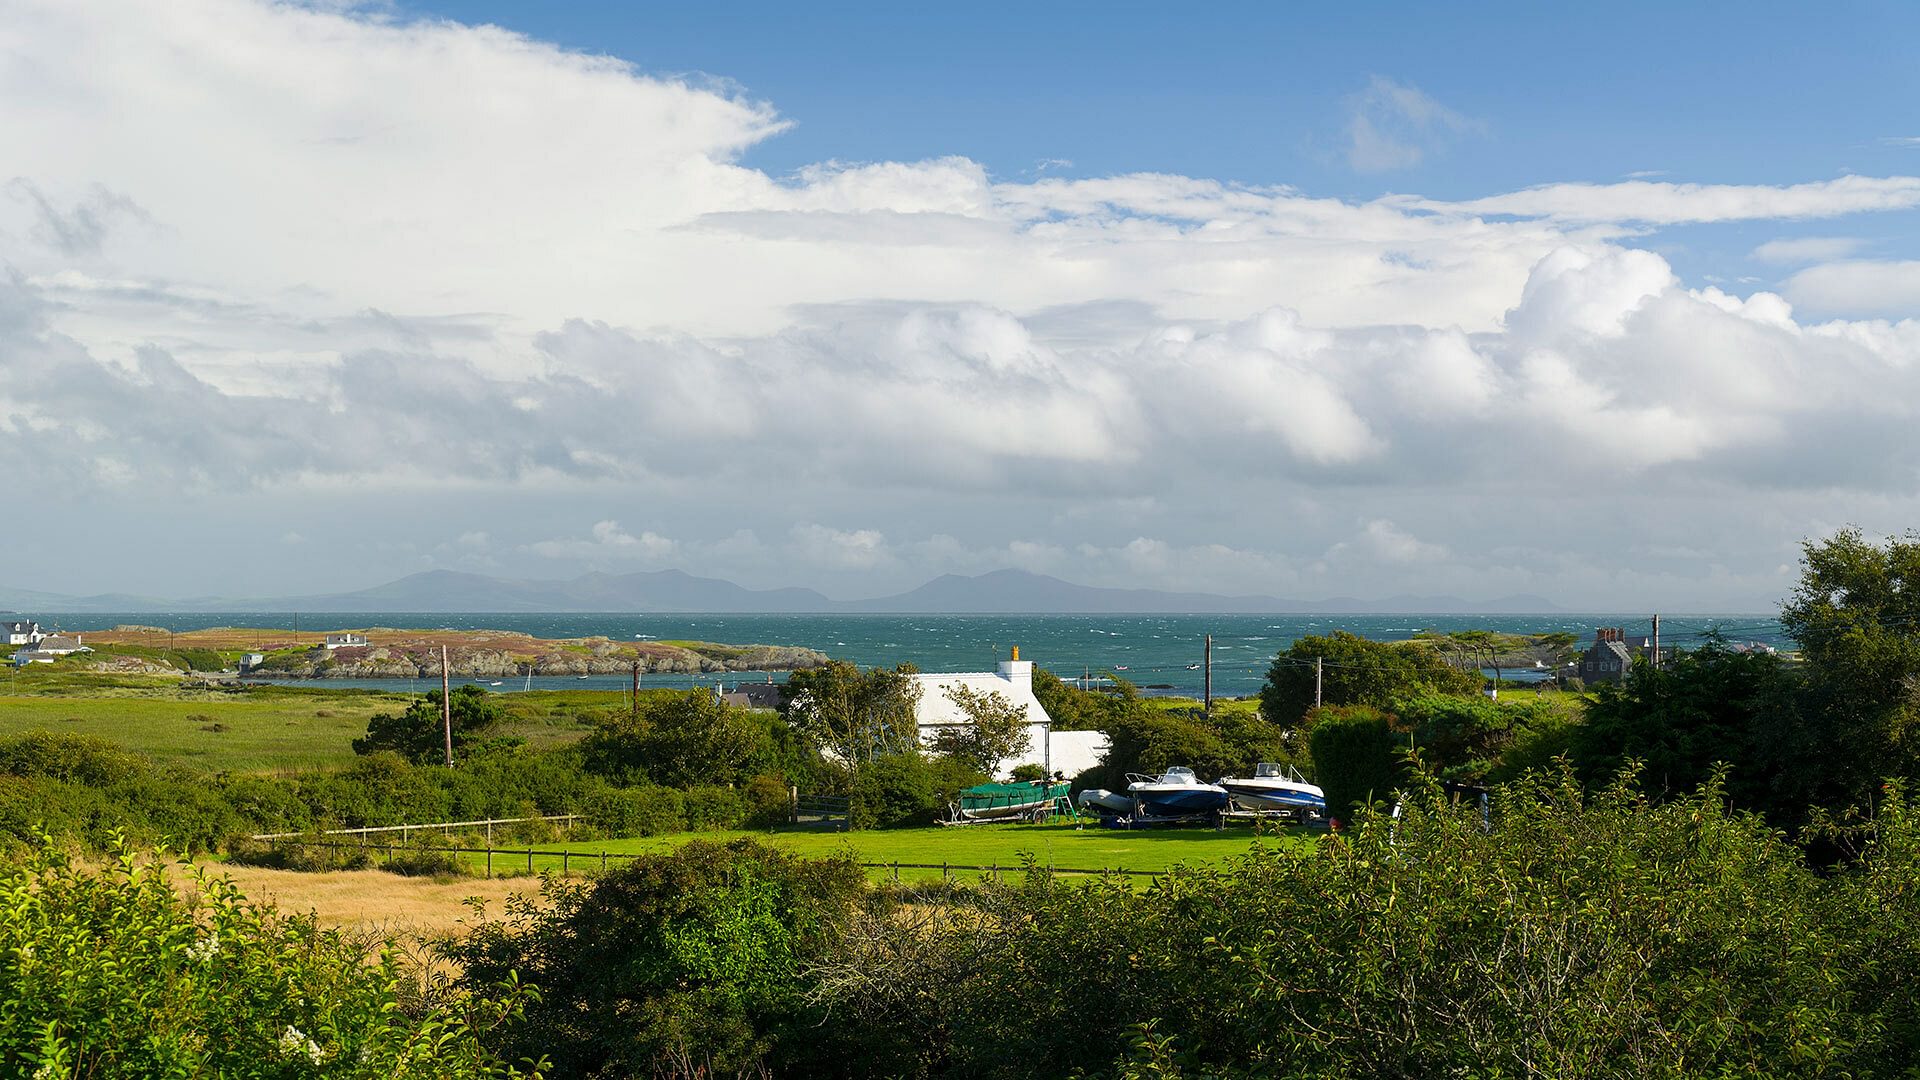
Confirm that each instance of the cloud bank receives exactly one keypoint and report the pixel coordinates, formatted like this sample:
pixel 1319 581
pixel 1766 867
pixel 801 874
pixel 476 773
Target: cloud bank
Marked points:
pixel 303 252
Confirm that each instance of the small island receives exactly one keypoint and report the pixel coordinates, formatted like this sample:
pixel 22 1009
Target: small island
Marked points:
pixel 384 652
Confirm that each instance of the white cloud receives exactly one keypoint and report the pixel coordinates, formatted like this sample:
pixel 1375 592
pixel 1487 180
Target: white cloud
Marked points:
pixel 1393 125
pixel 499 268
pixel 1672 204
pixel 1806 249
pixel 1860 287
pixel 607 541
pixel 855 549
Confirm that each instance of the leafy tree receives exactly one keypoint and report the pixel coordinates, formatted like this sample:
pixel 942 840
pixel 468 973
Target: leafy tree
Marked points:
pixel 679 740
pixel 692 963
pixel 906 790
pixel 1856 615
pixel 1356 758
pixel 996 729
pixel 1073 709
pixel 1464 737
pixel 854 715
pixel 1356 671
pixel 1701 710
pixel 419 734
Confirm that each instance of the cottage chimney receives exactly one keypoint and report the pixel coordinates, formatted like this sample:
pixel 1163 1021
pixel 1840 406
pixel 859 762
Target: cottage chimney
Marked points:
pixel 1017 671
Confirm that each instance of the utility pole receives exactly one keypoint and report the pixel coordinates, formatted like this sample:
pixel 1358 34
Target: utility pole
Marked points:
pixel 1318 663
pixel 1656 642
pixel 446 706
pixel 1208 699
pixel 636 690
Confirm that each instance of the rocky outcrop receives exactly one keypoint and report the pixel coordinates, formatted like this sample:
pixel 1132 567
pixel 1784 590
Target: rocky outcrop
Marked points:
pixel 594 656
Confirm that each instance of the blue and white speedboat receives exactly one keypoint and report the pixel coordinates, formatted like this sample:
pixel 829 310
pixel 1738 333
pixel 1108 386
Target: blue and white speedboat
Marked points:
pixel 1275 787
pixel 1175 793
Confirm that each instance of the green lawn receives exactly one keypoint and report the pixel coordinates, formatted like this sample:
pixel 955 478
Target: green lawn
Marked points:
pixel 1065 846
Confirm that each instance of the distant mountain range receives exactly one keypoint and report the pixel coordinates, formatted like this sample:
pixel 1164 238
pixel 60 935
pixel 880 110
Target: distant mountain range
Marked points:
pixel 1014 592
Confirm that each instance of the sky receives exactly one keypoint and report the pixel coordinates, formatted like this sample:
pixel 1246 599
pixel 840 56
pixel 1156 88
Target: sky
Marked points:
pixel 1614 306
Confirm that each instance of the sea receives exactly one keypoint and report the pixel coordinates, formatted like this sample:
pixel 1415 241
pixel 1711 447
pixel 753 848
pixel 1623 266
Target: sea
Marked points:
pixel 1160 653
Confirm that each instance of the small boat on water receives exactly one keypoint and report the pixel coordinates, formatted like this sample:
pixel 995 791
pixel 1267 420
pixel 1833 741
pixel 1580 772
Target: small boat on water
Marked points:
pixel 496 682
pixel 1028 801
pixel 1175 793
pixel 1275 787
pixel 583 676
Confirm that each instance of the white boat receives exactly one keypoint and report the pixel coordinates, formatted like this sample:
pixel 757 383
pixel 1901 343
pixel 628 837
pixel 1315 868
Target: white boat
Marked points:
pixel 1105 803
pixel 1275 787
pixel 496 682
pixel 1175 793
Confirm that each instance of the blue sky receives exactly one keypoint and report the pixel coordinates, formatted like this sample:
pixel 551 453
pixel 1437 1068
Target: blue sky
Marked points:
pixel 1263 93
pixel 1613 305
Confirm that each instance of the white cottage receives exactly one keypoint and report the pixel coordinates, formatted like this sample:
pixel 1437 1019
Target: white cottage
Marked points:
pixel 1064 752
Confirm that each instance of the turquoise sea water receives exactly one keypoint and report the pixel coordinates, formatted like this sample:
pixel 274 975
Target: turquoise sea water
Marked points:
pixel 1151 650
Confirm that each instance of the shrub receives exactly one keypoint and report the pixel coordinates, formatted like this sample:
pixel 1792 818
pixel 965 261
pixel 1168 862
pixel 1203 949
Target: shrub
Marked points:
pixel 113 974
pixel 711 806
pixel 638 811
pixel 1355 759
pixel 702 954
pixel 905 790
pixel 769 801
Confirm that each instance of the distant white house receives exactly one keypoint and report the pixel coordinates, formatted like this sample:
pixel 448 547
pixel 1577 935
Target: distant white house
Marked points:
pixel 49 648
pixel 345 640
pixel 22 632
pixel 249 661
pixel 1063 752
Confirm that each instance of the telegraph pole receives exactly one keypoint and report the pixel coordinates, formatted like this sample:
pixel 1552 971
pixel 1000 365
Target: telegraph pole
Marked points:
pixel 636 690
pixel 446 706
pixel 1656 641
pixel 1208 699
pixel 1318 662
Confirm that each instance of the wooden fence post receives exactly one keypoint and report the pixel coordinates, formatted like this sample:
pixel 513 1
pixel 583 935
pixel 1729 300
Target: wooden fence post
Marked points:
pixel 603 863
pixel 489 857
pixel 564 856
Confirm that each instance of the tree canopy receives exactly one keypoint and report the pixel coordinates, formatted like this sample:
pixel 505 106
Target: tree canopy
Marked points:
pixel 854 715
pixel 1356 671
pixel 680 740
pixel 996 729
pixel 419 735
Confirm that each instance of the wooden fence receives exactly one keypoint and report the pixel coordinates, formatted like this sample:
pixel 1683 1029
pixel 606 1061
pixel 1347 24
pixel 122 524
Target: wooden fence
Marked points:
pixel 591 861
pixel 445 828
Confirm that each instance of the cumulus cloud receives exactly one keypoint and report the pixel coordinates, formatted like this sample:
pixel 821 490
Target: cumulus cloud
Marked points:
pixel 605 541
pixel 1870 287
pixel 1144 377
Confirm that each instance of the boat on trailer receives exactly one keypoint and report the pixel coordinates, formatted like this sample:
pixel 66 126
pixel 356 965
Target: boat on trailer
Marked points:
pixel 1105 803
pixel 1028 801
pixel 1176 793
pixel 1275 788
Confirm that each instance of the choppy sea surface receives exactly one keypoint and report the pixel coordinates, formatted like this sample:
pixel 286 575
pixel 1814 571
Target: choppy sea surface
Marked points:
pixel 1161 652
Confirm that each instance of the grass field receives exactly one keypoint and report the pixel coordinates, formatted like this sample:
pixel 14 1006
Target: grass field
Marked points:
pixel 256 729
pixel 1007 846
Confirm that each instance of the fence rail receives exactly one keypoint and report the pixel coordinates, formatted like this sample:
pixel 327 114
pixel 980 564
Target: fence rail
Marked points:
pixel 588 858
pixel 445 827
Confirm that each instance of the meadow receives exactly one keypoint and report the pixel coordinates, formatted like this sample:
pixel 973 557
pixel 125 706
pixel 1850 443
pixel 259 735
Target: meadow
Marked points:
pixel 253 728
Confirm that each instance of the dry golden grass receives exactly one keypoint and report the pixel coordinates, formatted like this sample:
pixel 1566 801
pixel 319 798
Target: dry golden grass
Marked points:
pixel 377 902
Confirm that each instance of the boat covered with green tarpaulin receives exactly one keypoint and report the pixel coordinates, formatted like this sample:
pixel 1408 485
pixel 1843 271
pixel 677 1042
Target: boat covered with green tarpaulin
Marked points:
pixel 1026 801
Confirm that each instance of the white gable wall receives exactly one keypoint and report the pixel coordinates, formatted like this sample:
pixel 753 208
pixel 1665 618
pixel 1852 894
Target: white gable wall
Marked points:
pixel 1013 681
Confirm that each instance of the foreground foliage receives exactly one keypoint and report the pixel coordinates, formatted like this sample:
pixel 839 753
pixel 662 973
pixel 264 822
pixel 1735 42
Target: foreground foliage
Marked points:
pixel 114 974
pixel 690 961
pixel 1577 935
